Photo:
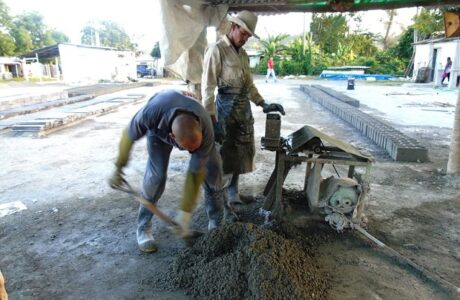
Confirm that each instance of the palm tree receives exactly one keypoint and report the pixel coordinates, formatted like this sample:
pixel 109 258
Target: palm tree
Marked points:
pixel 391 14
pixel 272 45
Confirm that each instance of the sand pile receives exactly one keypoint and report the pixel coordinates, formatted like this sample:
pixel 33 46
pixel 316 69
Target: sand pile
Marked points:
pixel 246 261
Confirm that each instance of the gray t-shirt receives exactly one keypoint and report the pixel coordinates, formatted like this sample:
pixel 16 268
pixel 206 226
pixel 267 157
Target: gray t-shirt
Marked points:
pixel 155 119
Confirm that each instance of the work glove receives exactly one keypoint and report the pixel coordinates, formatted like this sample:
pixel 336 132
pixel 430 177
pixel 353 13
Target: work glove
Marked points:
pixel 183 220
pixel 117 180
pixel 193 182
pixel 273 107
pixel 124 149
pixel 219 131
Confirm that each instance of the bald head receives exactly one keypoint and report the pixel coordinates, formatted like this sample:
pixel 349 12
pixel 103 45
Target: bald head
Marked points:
pixel 186 131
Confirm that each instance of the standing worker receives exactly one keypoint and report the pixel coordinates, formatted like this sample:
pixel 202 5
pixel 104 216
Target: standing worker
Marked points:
pixel 226 66
pixel 172 119
pixel 270 69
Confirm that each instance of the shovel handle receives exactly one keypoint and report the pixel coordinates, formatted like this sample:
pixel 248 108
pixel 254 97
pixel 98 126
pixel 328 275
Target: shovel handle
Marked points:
pixel 126 187
pixel 156 211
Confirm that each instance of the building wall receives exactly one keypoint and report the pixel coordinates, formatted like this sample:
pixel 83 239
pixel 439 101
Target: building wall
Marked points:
pixel 425 57
pixel 90 64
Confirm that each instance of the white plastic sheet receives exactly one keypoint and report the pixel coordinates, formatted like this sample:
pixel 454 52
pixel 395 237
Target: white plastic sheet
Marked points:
pixel 184 24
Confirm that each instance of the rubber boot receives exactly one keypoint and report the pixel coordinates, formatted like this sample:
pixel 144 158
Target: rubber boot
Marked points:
pixel 144 234
pixel 232 191
pixel 214 202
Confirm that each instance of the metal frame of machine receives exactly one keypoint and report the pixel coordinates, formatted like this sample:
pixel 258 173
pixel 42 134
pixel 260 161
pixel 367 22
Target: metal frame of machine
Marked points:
pixel 340 199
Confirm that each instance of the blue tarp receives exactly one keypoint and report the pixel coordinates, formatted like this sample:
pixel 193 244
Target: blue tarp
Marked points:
pixel 345 76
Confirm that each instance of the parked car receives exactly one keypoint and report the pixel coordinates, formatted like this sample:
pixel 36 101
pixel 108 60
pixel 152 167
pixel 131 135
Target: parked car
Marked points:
pixel 145 70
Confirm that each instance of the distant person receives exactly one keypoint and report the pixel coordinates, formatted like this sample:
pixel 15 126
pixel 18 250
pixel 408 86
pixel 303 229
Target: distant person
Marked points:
pixel 447 68
pixel 270 69
pixel 173 119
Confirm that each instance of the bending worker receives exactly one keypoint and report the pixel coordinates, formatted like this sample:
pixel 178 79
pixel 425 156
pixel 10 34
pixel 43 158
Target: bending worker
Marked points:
pixel 172 119
pixel 226 66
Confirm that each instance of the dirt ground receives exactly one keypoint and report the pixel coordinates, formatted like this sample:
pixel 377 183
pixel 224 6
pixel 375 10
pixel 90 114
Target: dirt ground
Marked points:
pixel 76 239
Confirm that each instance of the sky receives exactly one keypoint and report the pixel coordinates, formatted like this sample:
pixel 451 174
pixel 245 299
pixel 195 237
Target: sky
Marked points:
pixel 140 18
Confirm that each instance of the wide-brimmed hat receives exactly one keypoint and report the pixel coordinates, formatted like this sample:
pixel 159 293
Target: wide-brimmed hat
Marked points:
pixel 247 20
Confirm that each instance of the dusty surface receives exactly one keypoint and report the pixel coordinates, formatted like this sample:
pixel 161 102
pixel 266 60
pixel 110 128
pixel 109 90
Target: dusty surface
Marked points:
pixel 76 239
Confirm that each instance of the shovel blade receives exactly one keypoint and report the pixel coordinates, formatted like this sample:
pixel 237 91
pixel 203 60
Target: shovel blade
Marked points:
pixel 192 237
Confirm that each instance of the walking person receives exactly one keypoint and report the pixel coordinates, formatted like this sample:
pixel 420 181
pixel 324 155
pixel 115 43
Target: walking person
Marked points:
pixel 447 68
pixel 226 66
pixel 270 69
pixel 173 119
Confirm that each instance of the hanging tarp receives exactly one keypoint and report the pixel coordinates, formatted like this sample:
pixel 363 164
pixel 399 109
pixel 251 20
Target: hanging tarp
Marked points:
pixel 183 38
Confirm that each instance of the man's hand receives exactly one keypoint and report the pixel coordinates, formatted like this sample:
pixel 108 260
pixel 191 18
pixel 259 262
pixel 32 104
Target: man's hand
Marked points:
pixel 182 219
pixel 117 180
pixel 273 107
pixel 189 94
pixel 219 134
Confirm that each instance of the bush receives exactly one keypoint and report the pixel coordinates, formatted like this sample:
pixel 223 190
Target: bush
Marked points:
pixel 382 63
pixel 261 67
pixel 290 67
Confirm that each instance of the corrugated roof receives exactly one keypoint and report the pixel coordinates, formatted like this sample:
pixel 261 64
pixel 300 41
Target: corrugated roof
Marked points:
pixel 437 40
pixel 284 6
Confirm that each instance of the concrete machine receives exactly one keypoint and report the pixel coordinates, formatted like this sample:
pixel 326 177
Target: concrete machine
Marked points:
pixel 341 198
pixel 335 185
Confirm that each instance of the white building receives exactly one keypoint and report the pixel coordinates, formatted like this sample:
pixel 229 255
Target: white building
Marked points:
pixel 81 63
pixel 254 57
pixel 9 67
pixel 433 54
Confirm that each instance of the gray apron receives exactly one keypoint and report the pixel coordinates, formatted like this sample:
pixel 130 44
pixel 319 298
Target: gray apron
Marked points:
pixel 237 123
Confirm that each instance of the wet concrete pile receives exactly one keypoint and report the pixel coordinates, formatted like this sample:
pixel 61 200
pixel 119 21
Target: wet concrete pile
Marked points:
pixel 246 261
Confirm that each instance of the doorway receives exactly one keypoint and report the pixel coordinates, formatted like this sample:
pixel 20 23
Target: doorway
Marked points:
pixel 433 64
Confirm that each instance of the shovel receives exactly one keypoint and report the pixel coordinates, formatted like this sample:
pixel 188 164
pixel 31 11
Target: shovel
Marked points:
pixel 189 239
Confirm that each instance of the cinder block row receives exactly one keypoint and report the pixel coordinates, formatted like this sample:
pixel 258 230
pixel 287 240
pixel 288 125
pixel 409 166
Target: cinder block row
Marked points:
pixel 30 108
pixel 101 89
pixel 14 101
pixel 338 95
pixel 399 146
pixel 40 126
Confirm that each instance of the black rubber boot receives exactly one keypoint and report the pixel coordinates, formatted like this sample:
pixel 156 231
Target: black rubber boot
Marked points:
pixel 214 203
pixel 233 192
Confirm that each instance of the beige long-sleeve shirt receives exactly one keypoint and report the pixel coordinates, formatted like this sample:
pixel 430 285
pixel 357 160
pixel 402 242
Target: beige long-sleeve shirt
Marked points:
pixel 225 67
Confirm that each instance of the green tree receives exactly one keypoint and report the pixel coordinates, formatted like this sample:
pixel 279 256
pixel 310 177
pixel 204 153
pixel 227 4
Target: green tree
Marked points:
pixel 32 22
pixel 362 44
pixel 156 51
pixel 59 37
pixel 110 35
pixel 88 35
pixel 427 22
pixel 301 51
pixel 327 30
pixel 114 36
pixel 5 18
pixel 7 45
pixel 23 40
pixel 403 47
pixel 273 46
pixel 391 14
